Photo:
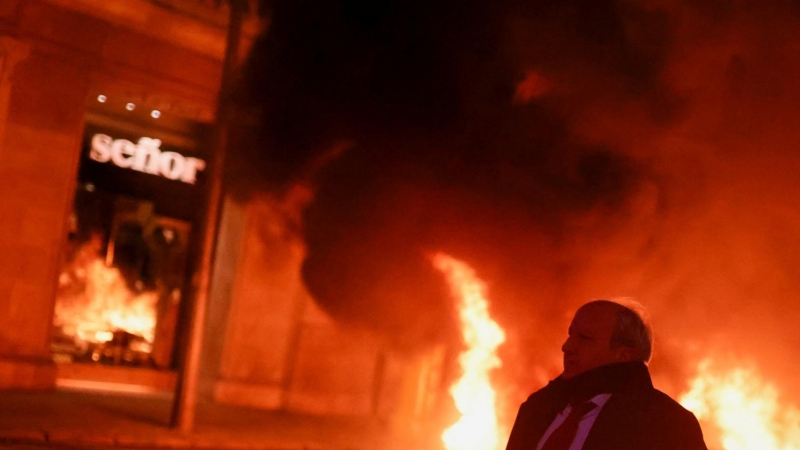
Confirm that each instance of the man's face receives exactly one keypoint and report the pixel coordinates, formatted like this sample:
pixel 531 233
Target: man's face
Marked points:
pixel 589 343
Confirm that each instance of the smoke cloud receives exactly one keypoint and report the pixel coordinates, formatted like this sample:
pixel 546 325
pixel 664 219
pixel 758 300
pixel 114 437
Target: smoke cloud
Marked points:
pixel 567 150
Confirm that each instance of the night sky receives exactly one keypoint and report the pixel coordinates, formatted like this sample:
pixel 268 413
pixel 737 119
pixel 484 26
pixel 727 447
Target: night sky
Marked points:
pixel 567 150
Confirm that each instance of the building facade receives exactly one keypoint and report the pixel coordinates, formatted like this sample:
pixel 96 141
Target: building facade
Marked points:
pixel 106 109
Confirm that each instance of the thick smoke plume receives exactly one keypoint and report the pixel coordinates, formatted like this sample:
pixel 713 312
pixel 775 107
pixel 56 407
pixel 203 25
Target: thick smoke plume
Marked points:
pixel 568 150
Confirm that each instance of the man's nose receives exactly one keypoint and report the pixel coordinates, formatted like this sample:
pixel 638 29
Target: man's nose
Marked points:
pixel 567 345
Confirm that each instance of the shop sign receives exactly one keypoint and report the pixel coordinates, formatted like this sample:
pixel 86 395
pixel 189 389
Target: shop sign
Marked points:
pixel 145 156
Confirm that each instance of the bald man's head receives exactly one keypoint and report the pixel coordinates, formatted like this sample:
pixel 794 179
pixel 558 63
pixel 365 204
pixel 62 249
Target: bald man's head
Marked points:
pixel 604 332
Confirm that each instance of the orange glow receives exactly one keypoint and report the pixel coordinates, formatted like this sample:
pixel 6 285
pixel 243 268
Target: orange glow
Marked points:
pixel 94 301
pixel 473 393
pixel 744 408
pixel 534 85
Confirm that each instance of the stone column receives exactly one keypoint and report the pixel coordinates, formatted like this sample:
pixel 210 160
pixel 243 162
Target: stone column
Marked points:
pixel 41 114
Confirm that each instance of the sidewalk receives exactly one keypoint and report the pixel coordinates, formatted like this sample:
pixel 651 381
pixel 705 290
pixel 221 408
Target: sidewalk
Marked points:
pixel 84 419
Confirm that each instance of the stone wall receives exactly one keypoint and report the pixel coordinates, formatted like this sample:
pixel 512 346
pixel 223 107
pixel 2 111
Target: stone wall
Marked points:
pixel 37 173
pixel 281 351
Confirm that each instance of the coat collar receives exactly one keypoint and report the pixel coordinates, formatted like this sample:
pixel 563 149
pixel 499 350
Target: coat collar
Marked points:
pixel 614 378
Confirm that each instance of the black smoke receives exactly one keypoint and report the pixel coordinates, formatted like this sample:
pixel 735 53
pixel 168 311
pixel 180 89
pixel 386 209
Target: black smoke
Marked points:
pixel 441 158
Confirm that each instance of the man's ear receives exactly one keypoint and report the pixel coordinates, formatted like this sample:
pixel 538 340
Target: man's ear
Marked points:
pixel 625 353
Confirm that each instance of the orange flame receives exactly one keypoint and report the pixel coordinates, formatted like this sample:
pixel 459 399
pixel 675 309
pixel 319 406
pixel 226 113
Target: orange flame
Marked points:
pixel 744 408
pixel 94 301
pixel 474 397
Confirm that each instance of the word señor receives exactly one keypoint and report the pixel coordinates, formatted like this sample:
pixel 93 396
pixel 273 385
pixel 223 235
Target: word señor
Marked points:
pixel 145 156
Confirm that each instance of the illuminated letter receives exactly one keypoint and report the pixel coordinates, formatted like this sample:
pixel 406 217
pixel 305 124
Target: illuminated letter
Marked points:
pixel 121 151
pixel 147 157
pixel 190 172
pixel 172 165
pixel 101 148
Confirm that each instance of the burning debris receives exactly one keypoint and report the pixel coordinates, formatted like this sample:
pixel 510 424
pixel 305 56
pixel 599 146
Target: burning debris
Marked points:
pixel 743 409
pixel 477 429
pixel 97 317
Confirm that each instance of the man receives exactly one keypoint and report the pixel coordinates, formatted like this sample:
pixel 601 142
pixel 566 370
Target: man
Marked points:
pixel 604 399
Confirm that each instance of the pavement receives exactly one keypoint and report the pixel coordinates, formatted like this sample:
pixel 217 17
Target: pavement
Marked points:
pixel 70 420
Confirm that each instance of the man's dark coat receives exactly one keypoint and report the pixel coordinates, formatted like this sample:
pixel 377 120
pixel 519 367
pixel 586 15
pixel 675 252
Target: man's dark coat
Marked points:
pixel 636 417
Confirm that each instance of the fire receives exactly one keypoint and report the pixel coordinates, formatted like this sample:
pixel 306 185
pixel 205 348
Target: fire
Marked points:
pixel 745 409
pixel 474 397
pixel 94 301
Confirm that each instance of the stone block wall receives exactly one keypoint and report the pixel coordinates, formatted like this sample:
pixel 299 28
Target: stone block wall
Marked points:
pixel 281 351
pixel 38 162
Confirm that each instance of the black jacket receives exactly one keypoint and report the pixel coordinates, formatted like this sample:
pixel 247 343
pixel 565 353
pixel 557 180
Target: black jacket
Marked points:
pixel 636 417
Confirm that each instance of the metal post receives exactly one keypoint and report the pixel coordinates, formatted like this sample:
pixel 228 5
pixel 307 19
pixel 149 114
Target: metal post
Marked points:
pixel 183 411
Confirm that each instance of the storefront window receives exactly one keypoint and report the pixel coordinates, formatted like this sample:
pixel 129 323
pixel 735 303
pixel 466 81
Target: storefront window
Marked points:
pixel 125 269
